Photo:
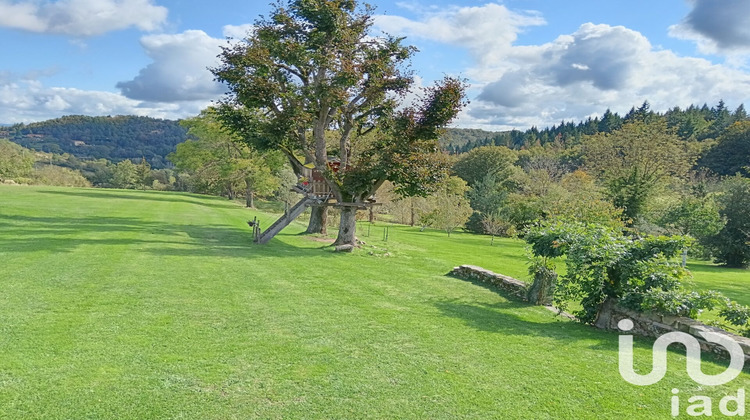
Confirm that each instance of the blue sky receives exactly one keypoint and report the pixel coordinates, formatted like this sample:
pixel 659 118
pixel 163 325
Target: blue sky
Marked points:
pixel 529 62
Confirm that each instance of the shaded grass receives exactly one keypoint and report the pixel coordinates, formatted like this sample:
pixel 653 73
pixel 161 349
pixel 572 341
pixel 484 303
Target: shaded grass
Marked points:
pixel 124 304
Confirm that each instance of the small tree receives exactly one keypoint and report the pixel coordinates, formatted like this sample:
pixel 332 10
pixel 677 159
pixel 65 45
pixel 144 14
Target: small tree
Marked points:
pixel 143 171
pixel 494 224
pixel 450 208
pixel 693 216
pixel 125 175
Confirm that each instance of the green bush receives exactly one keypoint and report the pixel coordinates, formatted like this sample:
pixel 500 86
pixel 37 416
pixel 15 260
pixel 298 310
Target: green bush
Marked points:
pixel 603 263
pixel 59 176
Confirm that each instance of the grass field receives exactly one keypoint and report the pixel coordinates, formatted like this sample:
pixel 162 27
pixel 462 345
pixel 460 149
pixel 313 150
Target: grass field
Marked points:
pixel 124 304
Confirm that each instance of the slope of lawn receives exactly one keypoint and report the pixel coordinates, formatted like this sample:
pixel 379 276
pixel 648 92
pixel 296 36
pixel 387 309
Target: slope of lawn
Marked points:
pixel 732 282
pixel 124 304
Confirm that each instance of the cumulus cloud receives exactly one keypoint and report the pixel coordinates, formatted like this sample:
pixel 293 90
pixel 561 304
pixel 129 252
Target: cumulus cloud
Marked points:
pixel 487 31
pixel 237 31
pixel 81 18
pixel 573 77
pixel 599 67
pixel 717 26
pixel 179 71
pixel 29 100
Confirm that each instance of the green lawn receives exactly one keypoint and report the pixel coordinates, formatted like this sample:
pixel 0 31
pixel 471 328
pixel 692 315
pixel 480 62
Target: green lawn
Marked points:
pixel 124 304
pixel 733 282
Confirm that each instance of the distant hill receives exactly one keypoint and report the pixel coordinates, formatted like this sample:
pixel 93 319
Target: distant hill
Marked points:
pixel 113 138
pixel 456 138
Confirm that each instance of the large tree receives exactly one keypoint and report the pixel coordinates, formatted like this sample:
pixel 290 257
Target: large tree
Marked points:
pixel 313 70
pixel 732 152
pixel 731 246
pixel 220 165
pixel 634 160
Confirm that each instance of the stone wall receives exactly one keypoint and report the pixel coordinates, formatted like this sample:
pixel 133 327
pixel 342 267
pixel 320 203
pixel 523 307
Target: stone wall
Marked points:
pixel 644 324
pixel 655 325
pixel 515 288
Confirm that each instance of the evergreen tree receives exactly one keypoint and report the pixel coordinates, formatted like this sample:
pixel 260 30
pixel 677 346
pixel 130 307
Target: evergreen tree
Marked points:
pixel 610 122
pixel 739 114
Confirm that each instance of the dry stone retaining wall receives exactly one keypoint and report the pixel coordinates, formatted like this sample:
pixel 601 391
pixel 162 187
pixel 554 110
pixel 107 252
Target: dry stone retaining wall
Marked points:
pixel 645 324
pixel 516 288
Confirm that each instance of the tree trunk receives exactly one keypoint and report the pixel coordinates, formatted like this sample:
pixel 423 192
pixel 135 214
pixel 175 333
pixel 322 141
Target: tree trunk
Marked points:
pixel 684 257
pixel 347 227
pixel 250 199
pixel 318 220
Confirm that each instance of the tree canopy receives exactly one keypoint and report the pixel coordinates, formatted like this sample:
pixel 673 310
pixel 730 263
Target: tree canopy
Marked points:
pixel 633 160
pixel 312 70
pixel 220 165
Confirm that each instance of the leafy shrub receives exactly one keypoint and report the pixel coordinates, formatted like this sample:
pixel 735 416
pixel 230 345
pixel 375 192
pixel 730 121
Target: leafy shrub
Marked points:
pixel 603 263
pixel 59 176
pixel 737 315
pixel 679 302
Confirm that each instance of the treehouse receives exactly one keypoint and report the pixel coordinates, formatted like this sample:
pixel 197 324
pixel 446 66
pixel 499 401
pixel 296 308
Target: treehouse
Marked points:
pixel 316 191
pixel 313 184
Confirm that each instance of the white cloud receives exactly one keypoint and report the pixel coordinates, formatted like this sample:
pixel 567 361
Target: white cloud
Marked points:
pixel 571 78
pixel 27 100
pixel 179 71
pixel 718 27
pixel 599 67
pixel 81 18
pixel 487 31
pixel 237 31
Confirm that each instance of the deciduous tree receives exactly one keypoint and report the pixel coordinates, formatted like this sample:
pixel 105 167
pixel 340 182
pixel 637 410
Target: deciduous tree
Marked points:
pixel 222 165
pixel 635 159
pixel 314 68
pixel 15 161
pixel 450 208
pixel 731 246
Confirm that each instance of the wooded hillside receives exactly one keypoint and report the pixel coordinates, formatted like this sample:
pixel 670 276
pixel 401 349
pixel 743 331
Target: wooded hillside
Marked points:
pixel 112 138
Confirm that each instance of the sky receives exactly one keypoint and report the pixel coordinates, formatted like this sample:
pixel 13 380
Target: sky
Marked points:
pixel 528 62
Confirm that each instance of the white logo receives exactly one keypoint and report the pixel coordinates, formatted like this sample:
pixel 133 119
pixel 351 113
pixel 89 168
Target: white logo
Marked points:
pixel 659 368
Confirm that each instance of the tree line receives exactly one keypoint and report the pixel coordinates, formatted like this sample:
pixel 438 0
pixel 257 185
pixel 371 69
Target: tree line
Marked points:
pixel 643 178
pixel 692 123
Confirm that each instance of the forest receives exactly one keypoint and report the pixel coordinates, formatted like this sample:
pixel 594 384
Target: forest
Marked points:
pixel 112 138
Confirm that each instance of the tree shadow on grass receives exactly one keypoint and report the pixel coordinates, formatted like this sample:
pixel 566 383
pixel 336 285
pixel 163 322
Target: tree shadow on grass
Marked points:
pixel 162 196
pixel 503 318
pixel 66 234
